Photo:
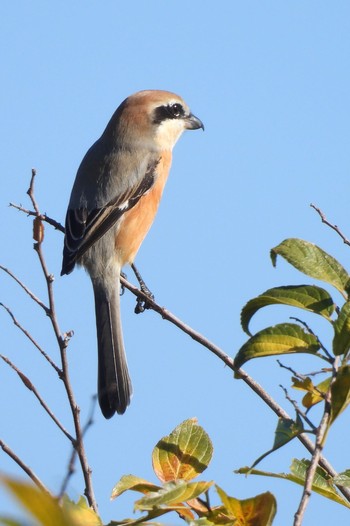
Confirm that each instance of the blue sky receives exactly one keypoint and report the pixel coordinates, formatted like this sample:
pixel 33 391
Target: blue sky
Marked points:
pixel 270 80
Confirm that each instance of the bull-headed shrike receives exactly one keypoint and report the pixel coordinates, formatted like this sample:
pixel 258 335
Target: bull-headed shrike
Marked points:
pixel 113 203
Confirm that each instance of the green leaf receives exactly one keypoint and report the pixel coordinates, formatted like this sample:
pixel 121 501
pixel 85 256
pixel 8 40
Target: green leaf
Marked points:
pixel 312 261
pixel 259 510
pixel 286 430
pixel 323 483
pixel 343 479
pixel 284 338
pixel 183 454
pixel 340 392
pixel 308 297
pixel 172 495
pixel 341 340
pixel 131 482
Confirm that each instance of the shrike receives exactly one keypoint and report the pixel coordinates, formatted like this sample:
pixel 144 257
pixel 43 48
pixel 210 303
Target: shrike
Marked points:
pixel 113 203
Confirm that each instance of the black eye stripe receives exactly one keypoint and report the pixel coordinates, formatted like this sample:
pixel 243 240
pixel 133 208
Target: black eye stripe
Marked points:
pixel 170 111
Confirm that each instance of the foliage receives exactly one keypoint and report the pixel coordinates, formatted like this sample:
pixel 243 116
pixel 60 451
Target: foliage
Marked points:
pixel 177 459
pixel 289 338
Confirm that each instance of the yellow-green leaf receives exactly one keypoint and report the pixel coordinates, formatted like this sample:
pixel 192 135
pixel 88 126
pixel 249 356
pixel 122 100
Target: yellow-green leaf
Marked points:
pixel 46 509
pixel 313 261
pixel 131 482
pixel 9 522
pixel 39 504
pixel 202 522
pixel 308 297
pixel 183 454
pixel 314 393
pixel 172 495
pixel 259 510
pixel 340 392
pixel 343 479
pixel 284 338
pixel 341 340
pixel 323 483
pixel 80 513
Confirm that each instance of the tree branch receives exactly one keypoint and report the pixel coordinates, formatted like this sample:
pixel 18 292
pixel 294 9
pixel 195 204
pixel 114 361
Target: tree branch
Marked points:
pixel 31 339
pixel 332 226
pixel 63 343
pixel 29 385
pixel 24 467
pixel 315 459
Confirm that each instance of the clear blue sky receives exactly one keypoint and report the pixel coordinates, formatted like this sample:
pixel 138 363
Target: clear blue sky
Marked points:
pixel 270 80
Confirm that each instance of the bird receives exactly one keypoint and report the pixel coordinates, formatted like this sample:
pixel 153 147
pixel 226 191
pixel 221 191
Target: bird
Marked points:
pixel 114 200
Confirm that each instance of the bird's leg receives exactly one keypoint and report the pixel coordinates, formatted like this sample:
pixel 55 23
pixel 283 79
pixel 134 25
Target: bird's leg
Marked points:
pixel 141 304
pixel 122 287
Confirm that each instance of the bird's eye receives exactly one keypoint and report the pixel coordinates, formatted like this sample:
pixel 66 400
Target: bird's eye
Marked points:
pixel 176 110
pixel 169 111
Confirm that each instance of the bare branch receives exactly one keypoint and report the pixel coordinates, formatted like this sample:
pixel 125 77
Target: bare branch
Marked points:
pixel 24 467
pixel 62 338
pixel 30 337
pixel 63 343
pixel 25 288
pixel 43 217
pixel 330 358
pixel 301 413
pixel 29 385
pixel 30 192
pixel 71 463
pixel 332 226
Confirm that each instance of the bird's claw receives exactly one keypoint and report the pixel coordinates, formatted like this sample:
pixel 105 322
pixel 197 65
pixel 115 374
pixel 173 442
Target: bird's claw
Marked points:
pixel 141 303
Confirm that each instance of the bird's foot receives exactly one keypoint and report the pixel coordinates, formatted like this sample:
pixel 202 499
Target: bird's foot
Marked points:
pixel 141 303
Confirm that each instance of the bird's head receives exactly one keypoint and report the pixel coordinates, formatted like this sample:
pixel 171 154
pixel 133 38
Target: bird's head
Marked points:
pixel 155 116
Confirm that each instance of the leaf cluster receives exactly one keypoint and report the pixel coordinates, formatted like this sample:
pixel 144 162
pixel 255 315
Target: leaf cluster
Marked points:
pixel 298 338
pixel 177 459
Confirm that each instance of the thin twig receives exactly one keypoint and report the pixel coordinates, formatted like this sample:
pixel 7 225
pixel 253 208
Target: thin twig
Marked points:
pixel 30 192
pixel 62 343
pixel 25 288
pixel 315 459
pixel 310 331
pixel 24 467
pixel 332 226
pixel 71 463
pixel 43 217
pixel 31 339
pixel 29 385
pixel 301 413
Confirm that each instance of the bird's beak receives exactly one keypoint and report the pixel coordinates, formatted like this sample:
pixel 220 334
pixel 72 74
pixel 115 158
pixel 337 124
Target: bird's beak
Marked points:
pixel 193 123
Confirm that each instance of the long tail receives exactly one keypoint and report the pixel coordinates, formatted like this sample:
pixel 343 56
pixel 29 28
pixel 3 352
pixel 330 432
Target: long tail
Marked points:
pixel 114 385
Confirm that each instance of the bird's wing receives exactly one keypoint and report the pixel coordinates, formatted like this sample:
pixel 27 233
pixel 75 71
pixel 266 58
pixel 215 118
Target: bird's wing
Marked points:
pixel 85 226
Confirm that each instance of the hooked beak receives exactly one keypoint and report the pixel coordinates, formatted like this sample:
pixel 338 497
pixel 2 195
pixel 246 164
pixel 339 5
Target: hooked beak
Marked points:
pixel 193 123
